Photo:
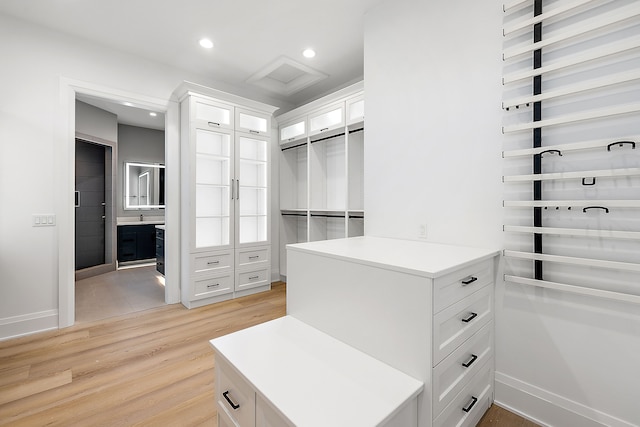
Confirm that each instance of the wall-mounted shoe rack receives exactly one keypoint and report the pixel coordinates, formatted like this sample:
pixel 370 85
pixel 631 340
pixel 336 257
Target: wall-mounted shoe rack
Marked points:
pixel 572 146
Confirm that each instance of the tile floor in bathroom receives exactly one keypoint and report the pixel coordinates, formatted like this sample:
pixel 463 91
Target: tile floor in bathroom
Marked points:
pixel 119 292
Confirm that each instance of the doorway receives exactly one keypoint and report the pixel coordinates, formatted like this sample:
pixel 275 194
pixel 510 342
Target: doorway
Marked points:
pixel 64 165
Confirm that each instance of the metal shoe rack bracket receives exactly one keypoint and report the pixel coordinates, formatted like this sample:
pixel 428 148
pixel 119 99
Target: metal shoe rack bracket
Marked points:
pixel 571 125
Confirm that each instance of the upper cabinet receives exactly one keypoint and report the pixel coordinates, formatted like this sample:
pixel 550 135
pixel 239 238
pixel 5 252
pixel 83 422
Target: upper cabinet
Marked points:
pixel 208 113
pixel 355 109
pixel 253 122
pixel 293 130
pixel 326 119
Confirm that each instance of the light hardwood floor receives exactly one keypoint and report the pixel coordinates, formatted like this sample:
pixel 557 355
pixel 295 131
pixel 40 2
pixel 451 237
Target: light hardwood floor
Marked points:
pixel 150 368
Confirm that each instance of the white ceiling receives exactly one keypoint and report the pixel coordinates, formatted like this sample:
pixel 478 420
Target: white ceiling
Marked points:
pixel 250 36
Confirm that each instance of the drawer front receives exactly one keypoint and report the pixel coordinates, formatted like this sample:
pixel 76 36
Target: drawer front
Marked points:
pixel 209 114
pixel 454 373
pixel 252 257
pixel 456 323
pixel 159 233
pixel 207 287
pixel 266 416
pixel 326 119
pixel 470 404
pixel 252 279
pixel 461 283
pixel 234 395
pixel 211 263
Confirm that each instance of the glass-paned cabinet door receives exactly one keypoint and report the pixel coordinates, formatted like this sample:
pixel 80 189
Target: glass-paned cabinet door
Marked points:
pixel 293 131
pixel 326 119
pixel 212 185
pixel 355 109
pixel 211 114
pixel 253 122
pixel 252 189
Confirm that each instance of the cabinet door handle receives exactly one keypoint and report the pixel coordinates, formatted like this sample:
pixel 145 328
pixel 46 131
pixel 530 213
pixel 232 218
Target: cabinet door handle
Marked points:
pixel 470 362
pixel 470 318
pixel 214 124
pixel 233 181
pixel 213 262
pixel 471 404
pixel 213 286
pixel 257 132
pixel 254 277
pixel 323 129
pixel 468 280
pixel 233 405
pixel 237 189
pixel 254 257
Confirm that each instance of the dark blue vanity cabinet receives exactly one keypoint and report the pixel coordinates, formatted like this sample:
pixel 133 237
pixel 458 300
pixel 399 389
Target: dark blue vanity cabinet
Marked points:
pixel 136 242
pixel 160 250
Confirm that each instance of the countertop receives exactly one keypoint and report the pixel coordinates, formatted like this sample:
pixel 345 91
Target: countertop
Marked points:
pixel 408 256
pixel 314 379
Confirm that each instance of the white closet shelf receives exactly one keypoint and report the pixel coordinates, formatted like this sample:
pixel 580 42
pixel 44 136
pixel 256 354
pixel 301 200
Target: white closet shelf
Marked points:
pixel 573 175
pixel 577 117
pixel 510 5
pixel 571 203
pixel 583 27
pixel 574 89
pixel 576 59
pixel 576 146
pixel 582 290
pixel 561 259
pixel 610 234
pixel 508 29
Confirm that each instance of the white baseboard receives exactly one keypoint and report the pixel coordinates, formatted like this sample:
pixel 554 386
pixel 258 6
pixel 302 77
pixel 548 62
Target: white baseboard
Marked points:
pixel 546 408
pixel 17 326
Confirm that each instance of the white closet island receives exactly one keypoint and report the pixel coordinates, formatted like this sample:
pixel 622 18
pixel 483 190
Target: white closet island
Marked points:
pixel 425 309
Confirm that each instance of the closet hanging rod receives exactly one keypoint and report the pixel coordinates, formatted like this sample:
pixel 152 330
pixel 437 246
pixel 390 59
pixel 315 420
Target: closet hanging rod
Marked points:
pixel 605 144
pixel 600 293
pixel 608 173
pixel 326 216
pixel 577 59
pixel 579 232
pixel 574 89
pixel 584 27
pixel 561 259
pixel 507 6
pixel 293 146
pixel 546 15
pixel 328 137
pixel 570 203
pixel 576 117
pixel 293 214
pixel 356 130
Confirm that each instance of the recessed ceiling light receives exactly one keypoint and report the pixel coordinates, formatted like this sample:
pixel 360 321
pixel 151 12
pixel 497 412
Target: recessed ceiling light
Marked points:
pixel 206 43
pixel 309 53
pixel 152 114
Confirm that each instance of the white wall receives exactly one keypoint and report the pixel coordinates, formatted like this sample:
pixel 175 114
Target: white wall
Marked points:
pixel 34 61
pixel 433 156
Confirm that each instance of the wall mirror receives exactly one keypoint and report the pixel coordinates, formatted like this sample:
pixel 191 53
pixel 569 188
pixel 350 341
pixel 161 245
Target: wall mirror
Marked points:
pixel 144 186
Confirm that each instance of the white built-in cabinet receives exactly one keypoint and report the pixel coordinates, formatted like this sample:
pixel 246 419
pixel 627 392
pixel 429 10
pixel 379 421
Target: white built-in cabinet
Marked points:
pixel 322 170
pixel 225 198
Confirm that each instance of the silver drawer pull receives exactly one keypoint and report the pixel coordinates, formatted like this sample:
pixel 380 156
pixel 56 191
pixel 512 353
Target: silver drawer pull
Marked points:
pixel 213 124
pixel 470 318
pixel 468 280
pixel 254 257
pixel 471 404
pixel 254 277
pixel 213 286
pixel 254 131
pixel 323 129
pixel 213 262
pixel 470 362
pixel 233 405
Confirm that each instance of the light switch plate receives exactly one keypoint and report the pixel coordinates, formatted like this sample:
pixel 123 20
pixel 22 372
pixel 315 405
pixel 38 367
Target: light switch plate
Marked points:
pixel 43 220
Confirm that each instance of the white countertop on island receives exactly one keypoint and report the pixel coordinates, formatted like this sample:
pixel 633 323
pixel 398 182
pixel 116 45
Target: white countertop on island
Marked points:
pixel 408 256
pixel 314 379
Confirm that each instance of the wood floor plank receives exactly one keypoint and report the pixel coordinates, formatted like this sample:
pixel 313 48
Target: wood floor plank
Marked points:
pixel 23 389
pixel 13 375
